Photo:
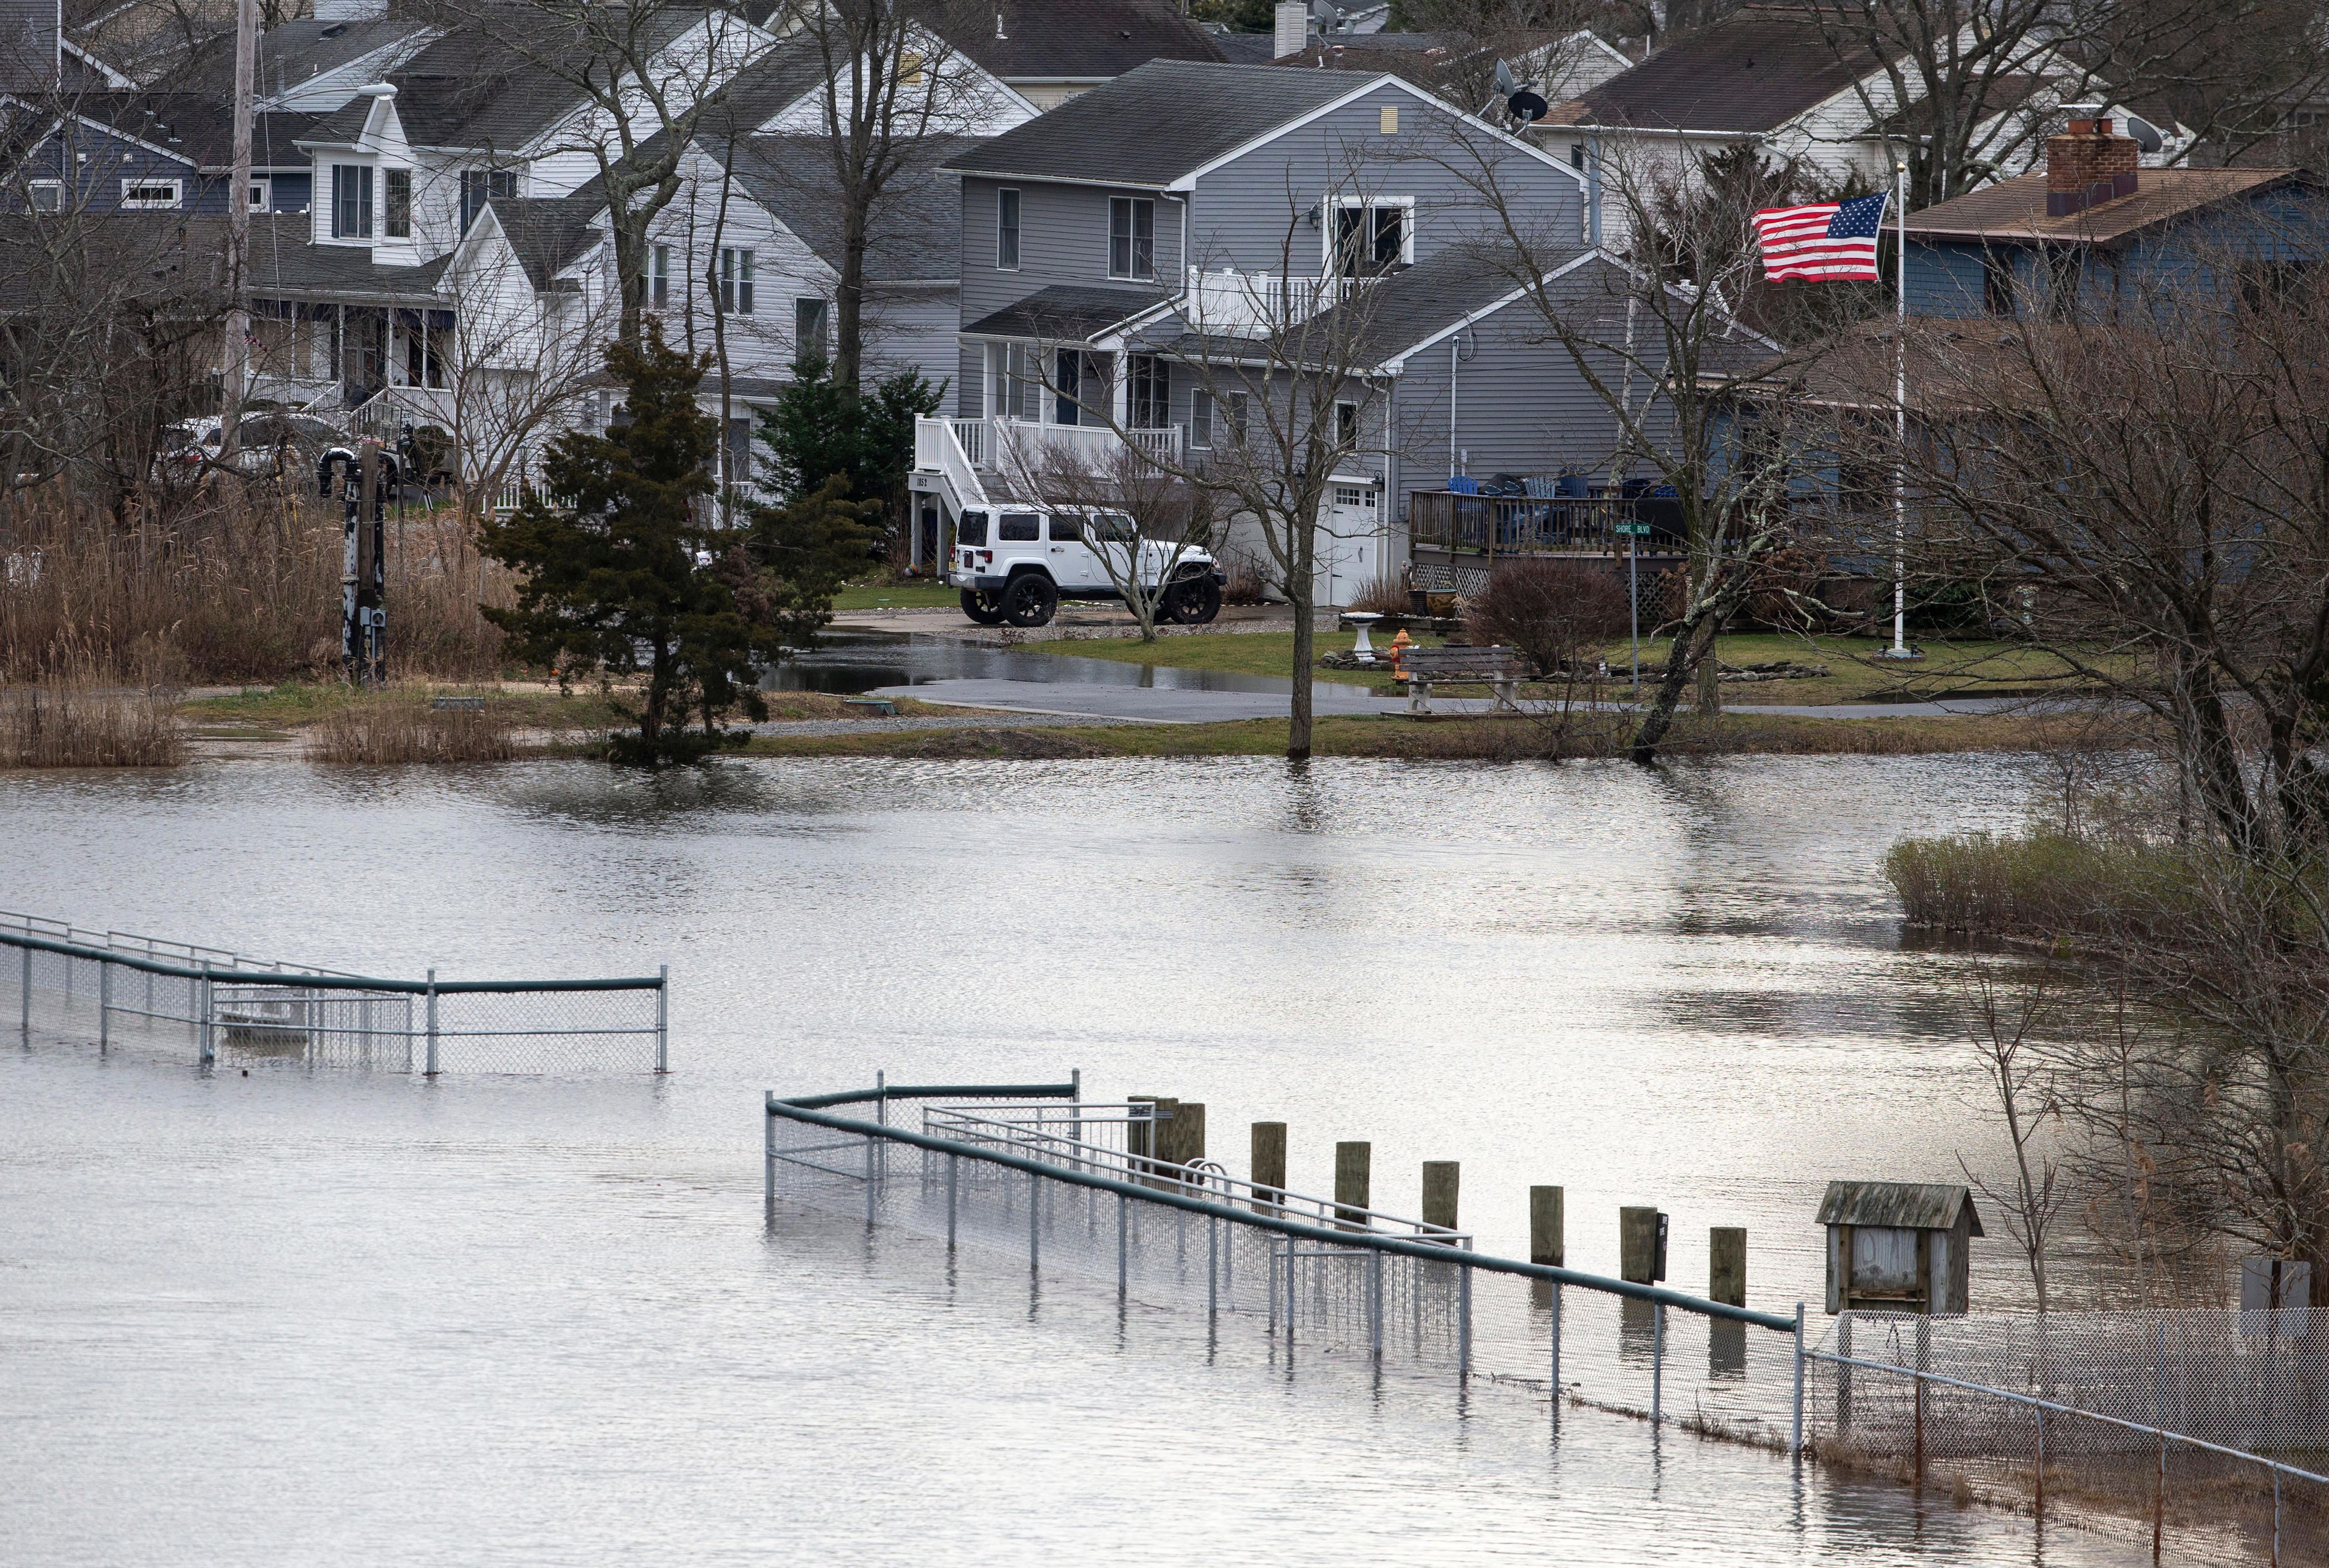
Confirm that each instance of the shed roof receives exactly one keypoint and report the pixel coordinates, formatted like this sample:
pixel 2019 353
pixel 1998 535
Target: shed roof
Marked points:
pixel 1152 126
pixel 1898 1205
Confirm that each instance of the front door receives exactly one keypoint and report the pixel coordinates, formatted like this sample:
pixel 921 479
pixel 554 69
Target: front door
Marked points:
pixel 1073 565
pixel 1348 549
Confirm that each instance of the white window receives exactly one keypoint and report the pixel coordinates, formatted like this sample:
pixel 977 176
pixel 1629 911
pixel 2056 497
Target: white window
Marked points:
pixel 735 281
pixel 658 289
pixel 1346 427
pixel 1373 235
pixel 1149 391
pixel 1345 495
pixel 1201 419
pixel 260 195
pixel 1018 389
pixel 351 201
pixel 1131 237
pixel 149 195
pixel 48 195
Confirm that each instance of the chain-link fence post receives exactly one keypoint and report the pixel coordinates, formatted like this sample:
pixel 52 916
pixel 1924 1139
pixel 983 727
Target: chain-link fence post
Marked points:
pixel 104 1005
pixel 1556 1352
pixel 430 1064
pixel 25 997
pixel 205 1033
pixel 662 1018
pixel 1657 1362
pixel 1795 1428
pixel 768 1156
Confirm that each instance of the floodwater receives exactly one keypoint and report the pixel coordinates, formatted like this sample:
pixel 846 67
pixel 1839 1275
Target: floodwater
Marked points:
pixel 849 662
pixel 336 1319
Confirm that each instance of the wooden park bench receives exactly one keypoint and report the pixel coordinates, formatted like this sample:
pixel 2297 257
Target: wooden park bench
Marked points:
pixel 1500 668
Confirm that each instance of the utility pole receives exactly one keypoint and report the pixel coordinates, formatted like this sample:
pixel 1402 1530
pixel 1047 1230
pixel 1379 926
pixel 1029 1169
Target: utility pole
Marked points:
pixel 238 231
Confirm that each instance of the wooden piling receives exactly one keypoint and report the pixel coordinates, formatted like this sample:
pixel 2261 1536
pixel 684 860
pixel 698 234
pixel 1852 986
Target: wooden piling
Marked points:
pixel 1637 1245
pixel 1547 1237
pixel 1725 1269
pixel 1353 1174
pixel 1441 1181
pixel 1269 1170
pixel 1182 1141
pixel 1146 1139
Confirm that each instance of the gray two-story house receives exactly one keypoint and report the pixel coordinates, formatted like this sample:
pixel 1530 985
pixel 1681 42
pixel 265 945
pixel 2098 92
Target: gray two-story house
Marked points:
pixel 1113 250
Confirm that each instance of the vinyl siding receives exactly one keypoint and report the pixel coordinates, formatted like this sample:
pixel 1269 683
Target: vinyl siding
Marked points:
pixel 1253 213
pixel 1062 240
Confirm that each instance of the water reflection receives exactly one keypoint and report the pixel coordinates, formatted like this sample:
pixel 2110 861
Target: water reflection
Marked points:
pixel 850 661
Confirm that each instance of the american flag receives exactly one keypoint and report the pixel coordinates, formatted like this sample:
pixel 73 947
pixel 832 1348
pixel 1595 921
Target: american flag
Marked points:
pixel 1828 242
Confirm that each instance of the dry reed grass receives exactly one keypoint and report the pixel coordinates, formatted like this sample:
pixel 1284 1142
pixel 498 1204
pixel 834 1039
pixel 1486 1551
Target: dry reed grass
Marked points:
pixel 381 731
pixel 63 722
pixel 244 590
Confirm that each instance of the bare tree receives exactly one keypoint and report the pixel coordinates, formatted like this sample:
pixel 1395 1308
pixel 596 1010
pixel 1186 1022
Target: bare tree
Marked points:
pixel 643 77
pixel 2023 1082
pixel 1698 401
pixel 1142 523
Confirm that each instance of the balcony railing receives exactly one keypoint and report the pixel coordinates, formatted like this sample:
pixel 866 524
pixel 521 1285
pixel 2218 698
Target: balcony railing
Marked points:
pixel 1245 303
pixel 1564 525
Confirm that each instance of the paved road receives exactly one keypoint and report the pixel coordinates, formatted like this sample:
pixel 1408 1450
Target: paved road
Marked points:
pixel 1172 706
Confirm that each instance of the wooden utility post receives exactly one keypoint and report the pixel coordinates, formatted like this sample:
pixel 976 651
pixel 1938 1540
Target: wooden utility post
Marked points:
pixel 237 379
pixel 1268 1166
pixel 1353 1174
pixel 1547 1240
pixel 1182 1140
pixel 1637 1245
pixel 1441 1183
pixel 1726 1270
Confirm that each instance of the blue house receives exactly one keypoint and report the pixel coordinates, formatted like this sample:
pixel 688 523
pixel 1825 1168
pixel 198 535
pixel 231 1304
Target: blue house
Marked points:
pixel 2094 233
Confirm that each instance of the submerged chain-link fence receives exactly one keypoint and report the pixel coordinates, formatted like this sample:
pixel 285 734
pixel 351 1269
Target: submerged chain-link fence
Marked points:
pixel 216 1007
pixel 1318 1278
pixel 2205 1430
pixel 2194 1422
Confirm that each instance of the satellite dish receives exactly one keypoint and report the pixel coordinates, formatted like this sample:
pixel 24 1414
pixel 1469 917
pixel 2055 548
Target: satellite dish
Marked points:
pixel 1527 107
pixel 1505 86
pixel 2147 135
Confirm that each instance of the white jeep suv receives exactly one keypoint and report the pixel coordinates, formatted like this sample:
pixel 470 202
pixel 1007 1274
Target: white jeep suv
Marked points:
pixel 1016 565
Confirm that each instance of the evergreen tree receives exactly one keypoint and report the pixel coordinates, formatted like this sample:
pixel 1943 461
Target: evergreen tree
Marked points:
pixel 628 575
pixel 819 428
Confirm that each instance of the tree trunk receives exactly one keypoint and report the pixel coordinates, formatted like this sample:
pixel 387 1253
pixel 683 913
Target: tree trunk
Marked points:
pixel 1710 676
pixel 1300 591
pixel 1689 645
pixel 848 303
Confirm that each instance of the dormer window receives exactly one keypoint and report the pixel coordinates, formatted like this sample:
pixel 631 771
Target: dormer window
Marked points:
pixel 396 203
pixel 149 195
pixel 351 201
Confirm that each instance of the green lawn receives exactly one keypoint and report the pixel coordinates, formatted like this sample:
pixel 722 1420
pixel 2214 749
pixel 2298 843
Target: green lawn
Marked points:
pixel 915 596
pixel 1855 670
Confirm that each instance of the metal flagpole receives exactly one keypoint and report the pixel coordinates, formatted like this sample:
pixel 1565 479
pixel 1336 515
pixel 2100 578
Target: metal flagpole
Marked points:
pixel 1901 416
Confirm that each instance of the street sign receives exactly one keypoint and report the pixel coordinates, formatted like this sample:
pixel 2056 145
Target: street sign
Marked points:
pixel 1640 528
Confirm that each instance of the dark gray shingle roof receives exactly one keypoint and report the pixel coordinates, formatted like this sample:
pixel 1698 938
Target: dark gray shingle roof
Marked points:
pixel 914 232
pixel 1152 126
pixel 1078 39
pixel 1753 70
pixel 1063 313
pixel 548 232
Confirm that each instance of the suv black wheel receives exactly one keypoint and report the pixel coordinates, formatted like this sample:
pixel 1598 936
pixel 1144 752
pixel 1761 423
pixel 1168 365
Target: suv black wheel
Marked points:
pixel 984 608
pixel 1193 604
pixel 1030 600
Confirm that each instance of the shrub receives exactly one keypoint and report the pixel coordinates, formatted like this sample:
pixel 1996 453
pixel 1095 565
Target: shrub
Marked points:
pixel 1551 612
pixel 389 731
pixel 1386 595
pixel 1245 582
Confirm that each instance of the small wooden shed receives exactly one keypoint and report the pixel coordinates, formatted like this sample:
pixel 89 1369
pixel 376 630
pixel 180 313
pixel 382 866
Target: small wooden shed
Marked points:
pixel 1898 1246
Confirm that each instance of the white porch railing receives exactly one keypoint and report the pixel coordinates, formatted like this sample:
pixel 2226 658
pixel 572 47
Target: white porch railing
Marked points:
pixel 1021 446
pixel 939 449
pixel 1233 302
pixel 385 413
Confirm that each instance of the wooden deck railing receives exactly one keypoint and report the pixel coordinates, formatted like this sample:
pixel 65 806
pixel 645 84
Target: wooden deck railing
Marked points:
pixel 1514 523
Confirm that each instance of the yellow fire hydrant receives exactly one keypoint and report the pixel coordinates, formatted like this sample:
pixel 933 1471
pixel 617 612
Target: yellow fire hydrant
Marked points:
pixel 1398 646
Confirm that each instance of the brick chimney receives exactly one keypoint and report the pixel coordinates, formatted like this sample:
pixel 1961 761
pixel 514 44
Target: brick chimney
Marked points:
pixel 2088 166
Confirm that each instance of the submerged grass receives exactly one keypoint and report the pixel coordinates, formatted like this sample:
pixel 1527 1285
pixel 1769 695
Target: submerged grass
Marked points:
pixel 68 722
pixel 2041 884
